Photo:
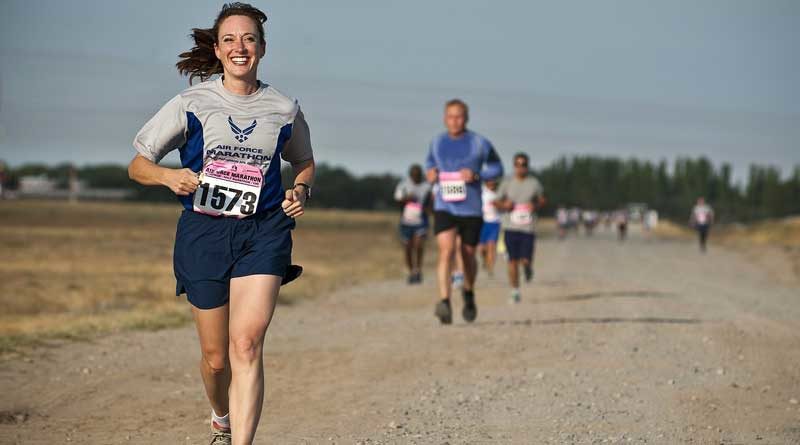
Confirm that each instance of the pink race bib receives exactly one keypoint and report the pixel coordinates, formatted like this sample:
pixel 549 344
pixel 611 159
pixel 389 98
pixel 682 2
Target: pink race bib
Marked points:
pixel 521 215
pixel 228 188
pixel 452 186
pixel 412 214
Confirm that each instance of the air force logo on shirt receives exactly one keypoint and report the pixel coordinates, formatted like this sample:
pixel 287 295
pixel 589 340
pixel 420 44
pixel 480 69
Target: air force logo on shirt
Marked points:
pixel 239 134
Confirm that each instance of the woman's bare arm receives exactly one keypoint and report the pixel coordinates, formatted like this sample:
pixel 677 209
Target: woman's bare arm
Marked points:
pixel 181 181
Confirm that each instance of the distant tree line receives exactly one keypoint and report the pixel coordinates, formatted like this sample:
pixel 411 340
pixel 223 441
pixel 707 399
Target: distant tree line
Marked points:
pixel 602 183
pixel 606 183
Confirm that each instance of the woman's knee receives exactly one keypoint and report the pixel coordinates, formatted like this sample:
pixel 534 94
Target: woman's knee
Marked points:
pixel 216 360
pixel 246 347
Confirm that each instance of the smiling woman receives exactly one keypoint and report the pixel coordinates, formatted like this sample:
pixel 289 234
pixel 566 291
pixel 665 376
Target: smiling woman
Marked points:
pixel 208 57
pixel 233 244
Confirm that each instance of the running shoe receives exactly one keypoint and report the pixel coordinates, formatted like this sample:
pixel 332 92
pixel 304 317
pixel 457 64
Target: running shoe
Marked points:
pixel 528 273
pixel 470 311
pixel 515 297
pixel 220 436
pixel 443 312
pixel 458 279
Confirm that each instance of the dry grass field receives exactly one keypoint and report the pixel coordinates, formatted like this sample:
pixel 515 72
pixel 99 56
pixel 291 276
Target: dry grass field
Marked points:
pixel 77 270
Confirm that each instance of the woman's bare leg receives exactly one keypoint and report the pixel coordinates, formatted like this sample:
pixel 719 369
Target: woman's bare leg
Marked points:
pixel 252 304
pixel 212 329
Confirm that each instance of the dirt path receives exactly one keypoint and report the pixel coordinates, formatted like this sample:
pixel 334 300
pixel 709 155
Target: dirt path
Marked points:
pixel 641 342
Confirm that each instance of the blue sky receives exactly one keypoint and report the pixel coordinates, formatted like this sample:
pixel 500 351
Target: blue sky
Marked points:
pixel 630 78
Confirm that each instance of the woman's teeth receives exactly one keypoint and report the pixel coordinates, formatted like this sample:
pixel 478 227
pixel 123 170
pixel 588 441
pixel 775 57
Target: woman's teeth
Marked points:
pixel 239 60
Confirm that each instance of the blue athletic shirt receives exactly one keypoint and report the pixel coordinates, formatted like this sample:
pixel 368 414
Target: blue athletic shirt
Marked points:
pixel 471 151
pixel 206 122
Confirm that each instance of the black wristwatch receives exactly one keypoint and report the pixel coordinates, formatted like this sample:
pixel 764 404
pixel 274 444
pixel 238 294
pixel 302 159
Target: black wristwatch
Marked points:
pixel 307 187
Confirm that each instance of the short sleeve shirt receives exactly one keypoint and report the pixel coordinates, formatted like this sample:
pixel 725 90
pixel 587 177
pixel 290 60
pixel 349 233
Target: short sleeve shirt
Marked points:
pixel 207 122
pixel 521 193
pixel 407 187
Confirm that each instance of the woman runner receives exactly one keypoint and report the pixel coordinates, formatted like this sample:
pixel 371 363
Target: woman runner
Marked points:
pixel 233 242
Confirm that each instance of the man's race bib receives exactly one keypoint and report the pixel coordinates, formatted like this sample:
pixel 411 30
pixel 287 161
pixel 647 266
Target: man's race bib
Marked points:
pixel 521 215
pixel 412 214
pixel 702 217
pixel 452 187
pixel 228 188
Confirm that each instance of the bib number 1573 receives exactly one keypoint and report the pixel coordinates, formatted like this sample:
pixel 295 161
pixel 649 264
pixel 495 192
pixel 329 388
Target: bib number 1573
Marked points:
pixel 225 199
pixel 228 188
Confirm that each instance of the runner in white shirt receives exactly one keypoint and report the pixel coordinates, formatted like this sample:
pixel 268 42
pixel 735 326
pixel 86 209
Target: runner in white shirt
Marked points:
pixel 589 218
pixel 562 220
pixel 701 219
pixel 490 231
pixel 414 194
pixel 574 218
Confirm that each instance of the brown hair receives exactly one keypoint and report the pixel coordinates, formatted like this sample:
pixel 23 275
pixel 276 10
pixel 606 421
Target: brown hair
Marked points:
pixel 200 61
pixel 459 103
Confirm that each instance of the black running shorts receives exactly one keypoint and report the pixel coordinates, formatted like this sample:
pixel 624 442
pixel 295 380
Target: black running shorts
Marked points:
pixel 468 227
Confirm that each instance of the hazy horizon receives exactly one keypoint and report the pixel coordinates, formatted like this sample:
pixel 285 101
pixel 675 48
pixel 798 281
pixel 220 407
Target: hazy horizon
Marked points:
pixel 625 79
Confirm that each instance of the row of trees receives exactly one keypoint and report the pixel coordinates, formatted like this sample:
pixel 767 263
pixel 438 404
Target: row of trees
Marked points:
pixel 603 183
pixel 606 183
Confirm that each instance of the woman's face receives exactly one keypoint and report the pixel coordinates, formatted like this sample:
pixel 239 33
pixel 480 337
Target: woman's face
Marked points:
pixel 238 47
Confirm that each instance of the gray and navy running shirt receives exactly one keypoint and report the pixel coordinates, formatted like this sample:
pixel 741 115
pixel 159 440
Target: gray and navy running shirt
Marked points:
pixel 207 122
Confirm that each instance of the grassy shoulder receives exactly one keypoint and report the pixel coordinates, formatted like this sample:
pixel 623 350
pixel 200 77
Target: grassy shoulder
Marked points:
pixel 783 232
pixel 77 270
pixel 774 243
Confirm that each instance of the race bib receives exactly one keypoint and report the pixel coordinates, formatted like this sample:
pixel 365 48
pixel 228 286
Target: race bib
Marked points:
pixel 521 215
pixel 702 217
pixel 228 188
pixel 489 212
pixel 412 214
pixel 452 187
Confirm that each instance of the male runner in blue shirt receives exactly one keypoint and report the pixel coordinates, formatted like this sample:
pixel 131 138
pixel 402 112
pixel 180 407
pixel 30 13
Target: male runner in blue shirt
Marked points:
pixel 457 162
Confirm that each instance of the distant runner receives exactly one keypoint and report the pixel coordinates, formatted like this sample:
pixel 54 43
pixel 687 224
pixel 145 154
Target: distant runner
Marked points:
pixel 621 218
pixel 490 231
pixel 701 219
pixel 574 219
pixel 519 196
pixel 457 161
pixel 414 193
pixel 589 218
pixel 562 219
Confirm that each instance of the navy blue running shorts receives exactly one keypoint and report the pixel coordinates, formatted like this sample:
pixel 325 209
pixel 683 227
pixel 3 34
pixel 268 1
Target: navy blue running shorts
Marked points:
pixel 407 232
pixel 210 250
pixel 519 245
